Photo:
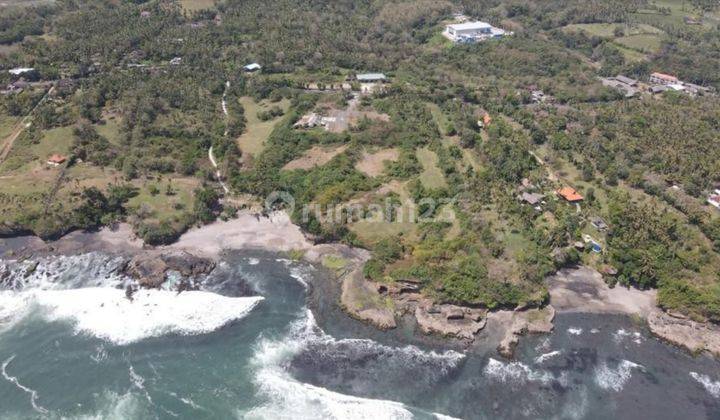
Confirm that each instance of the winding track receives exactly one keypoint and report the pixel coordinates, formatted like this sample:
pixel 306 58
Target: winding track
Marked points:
pixel 210 150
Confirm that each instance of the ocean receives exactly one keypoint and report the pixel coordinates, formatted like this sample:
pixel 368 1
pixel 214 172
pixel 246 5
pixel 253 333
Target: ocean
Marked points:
pixel 260 341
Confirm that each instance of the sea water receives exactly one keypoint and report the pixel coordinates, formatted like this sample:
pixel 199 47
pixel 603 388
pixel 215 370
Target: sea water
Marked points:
pixel 247 345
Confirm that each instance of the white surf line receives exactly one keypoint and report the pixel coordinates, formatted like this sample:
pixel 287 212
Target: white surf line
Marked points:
pixel 14 380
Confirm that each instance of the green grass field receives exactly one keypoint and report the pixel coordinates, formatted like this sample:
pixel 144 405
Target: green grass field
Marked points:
pixel 161 206
pixel 647 43
pixel 110 130
pixel 193 5
pixel 252 141
pixel 431 177
pixel 7 124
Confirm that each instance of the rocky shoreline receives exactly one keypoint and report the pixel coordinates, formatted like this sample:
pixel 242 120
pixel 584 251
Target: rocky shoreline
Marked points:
pixel 383 306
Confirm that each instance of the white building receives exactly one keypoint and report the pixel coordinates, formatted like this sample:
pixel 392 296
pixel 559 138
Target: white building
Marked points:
pixel 472 32
pixel 714 199
pixel 371 77
pixel 252 67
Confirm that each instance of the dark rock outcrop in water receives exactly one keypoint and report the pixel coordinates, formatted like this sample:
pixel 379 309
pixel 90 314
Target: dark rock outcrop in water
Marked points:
pixel 150 269
pixel 449 320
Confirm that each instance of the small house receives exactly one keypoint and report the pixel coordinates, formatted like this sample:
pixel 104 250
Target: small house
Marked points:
pixel 371 78
pixel 145 14
pixel 18 71
pixel 658 89
pixel 570 195
pixel 252 67
pixel 176 61
pixel 626 80
pixel 714 199
pixel 663 79
pixel 531 198
pixel 56 160
pixel 485 122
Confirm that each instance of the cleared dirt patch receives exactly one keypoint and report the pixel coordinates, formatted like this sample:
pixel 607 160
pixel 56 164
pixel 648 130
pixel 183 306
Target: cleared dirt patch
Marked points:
pixel 373 164
pixel 316 156
pixel 340 120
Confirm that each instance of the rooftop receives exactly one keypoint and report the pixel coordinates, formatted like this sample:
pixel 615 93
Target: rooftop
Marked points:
pixel 569 194
pixel 470 25
pixel 20 70
pixel 664 76
pixel 371 76
pixel 57 159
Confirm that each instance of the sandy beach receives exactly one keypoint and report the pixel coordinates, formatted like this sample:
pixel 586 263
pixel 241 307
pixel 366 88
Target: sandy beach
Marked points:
pixel 573 290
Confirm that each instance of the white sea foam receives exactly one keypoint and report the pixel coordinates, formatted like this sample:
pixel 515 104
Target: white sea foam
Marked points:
pixel 298 274
pixel 14 380
pixel 106 313
pixel 253 261
pixel 287 398
pixel 546 356
pixel 66 272
pixel 622 334
pixel 712 387
pixel 515 373
pixel 113 406
pixel 615 379
pixel 574 331
pixel 444 417
pixel 290 399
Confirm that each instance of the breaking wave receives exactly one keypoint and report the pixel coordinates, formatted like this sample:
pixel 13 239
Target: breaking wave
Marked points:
pixel 546 356
pixel 622 334
pixel 615 379
pixel 14 380
pixel 286 397
pixel 712 387
pixel 87 291
pixel 574 331
pixel 108 314
pixel 516 373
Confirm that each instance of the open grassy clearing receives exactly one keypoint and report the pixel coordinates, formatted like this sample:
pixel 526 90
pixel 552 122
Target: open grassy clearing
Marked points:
pixel 431 177
pixel 316 156
pixel 25 156
pixel 631 55
pixel 469 156
pixel 7 125
pixel 647 43
pixel 372 231
pixel 679 9
pixel 161 206
pixel 373 164
pixel 252 141
pixel 607 30
pixel 110 130
pixel 439 117
pixel 193 5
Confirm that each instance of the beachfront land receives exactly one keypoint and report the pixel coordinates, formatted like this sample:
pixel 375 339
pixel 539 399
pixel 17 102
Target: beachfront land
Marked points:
pixel 511 130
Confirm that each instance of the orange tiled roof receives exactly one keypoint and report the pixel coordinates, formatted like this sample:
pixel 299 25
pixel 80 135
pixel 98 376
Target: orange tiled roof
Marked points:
pixel 57 158
pixel 569 194
pixel 487 119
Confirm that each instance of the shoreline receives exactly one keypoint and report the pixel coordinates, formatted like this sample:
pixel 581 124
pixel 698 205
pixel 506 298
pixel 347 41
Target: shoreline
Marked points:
pixel 576 290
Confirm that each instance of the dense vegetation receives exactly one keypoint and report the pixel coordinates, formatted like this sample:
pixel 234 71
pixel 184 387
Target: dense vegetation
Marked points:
pixel 136 106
